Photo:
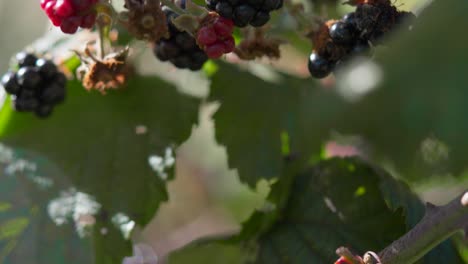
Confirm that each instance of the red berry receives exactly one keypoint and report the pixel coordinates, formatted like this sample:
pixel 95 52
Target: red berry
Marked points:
pixel 43 3
pixel 82 5
pixel 223 26
pixel 88 21
pixel 70 25
pixel 215 51
pixel 229 44
pixel 56 21
pixel 70 14
pixel 49 8
pixel 206 36
pixel 64 8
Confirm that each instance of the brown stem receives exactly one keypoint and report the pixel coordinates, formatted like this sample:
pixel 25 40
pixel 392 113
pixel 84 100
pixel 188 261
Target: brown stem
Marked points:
pixel 438 224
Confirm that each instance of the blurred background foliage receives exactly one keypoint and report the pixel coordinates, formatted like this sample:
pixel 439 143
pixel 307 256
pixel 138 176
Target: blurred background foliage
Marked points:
pixel 404 110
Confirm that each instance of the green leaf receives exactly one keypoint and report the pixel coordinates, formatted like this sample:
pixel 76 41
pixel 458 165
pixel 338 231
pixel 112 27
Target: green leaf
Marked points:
pixel 255 115
pixel 338 202
pixel 93 140
pixel 343 202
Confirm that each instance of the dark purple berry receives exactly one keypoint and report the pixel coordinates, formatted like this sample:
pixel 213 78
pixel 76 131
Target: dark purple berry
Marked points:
pixel 181 62
pixel 211 4
pixel 269 5
pixel 341 33
pixel 60 79
pixel 185 41
pixel 180 48
pixel 53 94
pixel 318 66
pixel 260 19
pixel 29 78
pixel 255 3
pixel 10 83
pixel 350 20
pixel 224 9
pixel 43 110
pixel 233 2
pixel 25 104
pixel 243 14
pixel 170 49
pixel 46 68
pixel 25 59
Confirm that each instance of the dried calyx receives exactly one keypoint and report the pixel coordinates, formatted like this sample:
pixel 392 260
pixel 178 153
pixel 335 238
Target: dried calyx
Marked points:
pixel 111 72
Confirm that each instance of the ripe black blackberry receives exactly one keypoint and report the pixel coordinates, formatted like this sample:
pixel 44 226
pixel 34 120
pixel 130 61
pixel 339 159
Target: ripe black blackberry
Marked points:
pixel 253 12
pixel 319 67
pixel 337 41
pixel 180 48
pixel 36 87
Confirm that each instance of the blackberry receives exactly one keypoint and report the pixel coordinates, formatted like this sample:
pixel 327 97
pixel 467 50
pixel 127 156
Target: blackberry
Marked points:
pixel 69 15
pixel 180 48
pixel 319 67
pixel 342 33
pixel 215 37
pixel 29 78
pixel 25 59
pixel 36 87
pixel 253 12
pixel 10 83
pixel 337 41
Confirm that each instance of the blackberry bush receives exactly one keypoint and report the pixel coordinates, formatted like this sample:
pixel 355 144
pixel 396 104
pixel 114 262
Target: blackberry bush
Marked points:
pixel 69 15
pixel 253 12
pixel 180 48
pixel 36 87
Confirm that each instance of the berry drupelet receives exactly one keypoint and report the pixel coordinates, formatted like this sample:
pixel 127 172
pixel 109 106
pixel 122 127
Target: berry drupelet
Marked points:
pixel 180 48
pixel 253 12
pixel 69 15
pixel 36 87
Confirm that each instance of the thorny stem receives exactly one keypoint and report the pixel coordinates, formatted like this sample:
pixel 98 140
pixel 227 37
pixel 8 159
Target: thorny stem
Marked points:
pixel 438 224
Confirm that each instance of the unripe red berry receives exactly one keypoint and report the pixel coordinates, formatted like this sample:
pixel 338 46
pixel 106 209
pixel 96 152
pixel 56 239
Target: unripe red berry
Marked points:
pixel 224 26
pixel 215 51
pixel 229 44
pixel 206 36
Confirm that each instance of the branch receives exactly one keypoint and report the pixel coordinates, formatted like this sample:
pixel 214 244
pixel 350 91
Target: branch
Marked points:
pixel 438 224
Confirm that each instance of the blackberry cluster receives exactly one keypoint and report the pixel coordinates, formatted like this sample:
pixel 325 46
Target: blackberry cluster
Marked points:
pixel 180 48
pixel 354 34
pixel 244 12
pixel 215 37
pixel 36 87
pixel 69 15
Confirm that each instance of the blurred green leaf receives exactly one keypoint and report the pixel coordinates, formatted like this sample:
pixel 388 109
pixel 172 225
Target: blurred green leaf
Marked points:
pixel 94 141
pixel 28 234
